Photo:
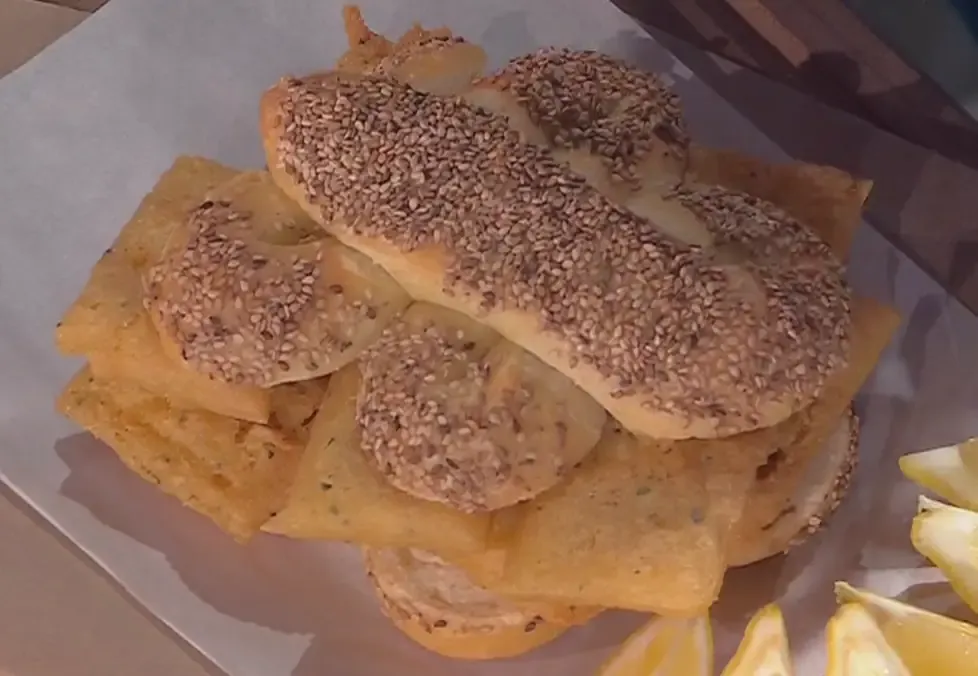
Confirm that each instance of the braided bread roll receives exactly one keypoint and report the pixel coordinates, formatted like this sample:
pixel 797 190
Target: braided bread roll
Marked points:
pixel 663 167
pixel 674 337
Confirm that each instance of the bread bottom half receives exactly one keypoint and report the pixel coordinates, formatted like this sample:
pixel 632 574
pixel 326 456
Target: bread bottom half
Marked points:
pixel 795 495
pixel 436 605
pixel 500 644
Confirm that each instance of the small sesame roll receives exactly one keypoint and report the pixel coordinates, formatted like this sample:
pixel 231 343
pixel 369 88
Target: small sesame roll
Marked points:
pixel 711 313
pixel 450 412
pixel 437 605
pixel 242 310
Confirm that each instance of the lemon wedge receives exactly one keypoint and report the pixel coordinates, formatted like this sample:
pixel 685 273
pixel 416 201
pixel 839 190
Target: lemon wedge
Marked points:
pixel 856 646
pixel 926 642
pixel 950 471
pixel 948 536
pixel 764 650
pixel 665 647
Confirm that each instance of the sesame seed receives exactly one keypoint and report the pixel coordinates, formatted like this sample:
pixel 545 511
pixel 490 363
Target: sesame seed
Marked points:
pixel 460 421
pixel 425 421
pixel 245 317
pixel 585 99
pixel 701 332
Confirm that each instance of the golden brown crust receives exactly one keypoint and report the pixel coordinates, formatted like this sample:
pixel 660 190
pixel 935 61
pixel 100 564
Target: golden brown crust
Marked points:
pixel 233 472
pixel 357 31
pixel 793 331
pixel 152 367
pixel 439 607
pixel 635 526
pixel 428 60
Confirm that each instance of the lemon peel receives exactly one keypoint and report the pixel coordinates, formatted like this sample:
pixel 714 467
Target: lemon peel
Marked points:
pixel 665 647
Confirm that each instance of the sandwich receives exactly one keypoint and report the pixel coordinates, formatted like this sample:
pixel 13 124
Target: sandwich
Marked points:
pixel 516 336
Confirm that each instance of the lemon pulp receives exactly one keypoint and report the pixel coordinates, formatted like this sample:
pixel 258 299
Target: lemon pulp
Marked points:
pixel 857 647
pixel 927 643
pixel 764 649
pixel 948 536
pixel 665 647
pixel 950 471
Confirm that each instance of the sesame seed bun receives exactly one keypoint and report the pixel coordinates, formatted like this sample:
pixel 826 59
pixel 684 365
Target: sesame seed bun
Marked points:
pixel 749 327
pixel 439 607
pixel 250 291
pixel 795 494
pixel 451 412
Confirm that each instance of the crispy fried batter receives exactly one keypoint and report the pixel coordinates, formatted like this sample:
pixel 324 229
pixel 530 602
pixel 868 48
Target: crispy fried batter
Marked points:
pixel 108 324
pixel 232 471
pixel 339 495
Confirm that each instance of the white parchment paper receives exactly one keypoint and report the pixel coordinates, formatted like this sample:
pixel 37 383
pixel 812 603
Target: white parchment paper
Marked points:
pixel 85 130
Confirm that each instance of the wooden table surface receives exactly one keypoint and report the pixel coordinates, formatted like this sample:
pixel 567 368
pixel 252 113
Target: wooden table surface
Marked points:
pixel 61 616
